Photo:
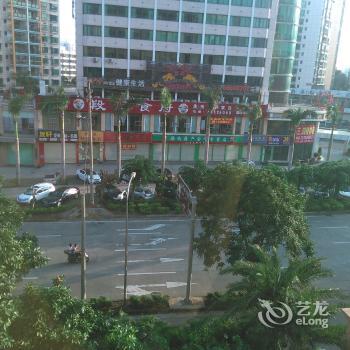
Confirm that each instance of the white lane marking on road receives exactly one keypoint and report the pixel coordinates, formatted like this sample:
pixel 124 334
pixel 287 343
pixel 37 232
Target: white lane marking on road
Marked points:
pixel 105 221
pixel 132 261
pixel 341 242
pixel 48 236
pixel 166 284
pixel 149 228
pixel 147 273
pixel 144 233
pixel 166 260
pixel 30 278
pixel 134 250
pixel 133 290
pixel 154 242
pixel 333 227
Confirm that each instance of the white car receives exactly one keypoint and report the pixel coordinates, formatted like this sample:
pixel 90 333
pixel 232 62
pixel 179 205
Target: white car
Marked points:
pixel 85 175
pixel 143 193
pixel 39 191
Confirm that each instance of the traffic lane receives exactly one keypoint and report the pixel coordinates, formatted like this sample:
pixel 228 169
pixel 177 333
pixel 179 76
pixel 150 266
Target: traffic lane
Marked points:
pixel 331 237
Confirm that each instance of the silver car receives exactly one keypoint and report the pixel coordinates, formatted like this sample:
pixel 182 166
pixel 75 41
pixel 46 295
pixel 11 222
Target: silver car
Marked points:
pixel 39 191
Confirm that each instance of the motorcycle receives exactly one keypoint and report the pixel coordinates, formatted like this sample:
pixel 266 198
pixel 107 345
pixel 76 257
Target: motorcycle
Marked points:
pixel 74 257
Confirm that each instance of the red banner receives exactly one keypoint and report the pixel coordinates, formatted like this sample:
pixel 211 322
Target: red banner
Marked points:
pixel 128 137
pixel 305 134
pixel 221 120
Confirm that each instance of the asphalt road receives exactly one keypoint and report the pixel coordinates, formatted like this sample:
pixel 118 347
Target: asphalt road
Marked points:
pixel 158 251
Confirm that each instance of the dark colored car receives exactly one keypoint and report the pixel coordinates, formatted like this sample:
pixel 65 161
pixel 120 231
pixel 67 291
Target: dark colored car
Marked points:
pixel 111 192
pixel 60 196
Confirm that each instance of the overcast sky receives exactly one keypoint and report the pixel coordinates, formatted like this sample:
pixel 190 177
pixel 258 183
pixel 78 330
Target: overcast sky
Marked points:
pixel 68 31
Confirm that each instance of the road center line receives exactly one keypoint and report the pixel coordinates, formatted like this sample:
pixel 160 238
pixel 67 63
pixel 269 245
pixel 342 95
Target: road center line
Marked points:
pixel 48 236
pixel 134 250
pixel 147 273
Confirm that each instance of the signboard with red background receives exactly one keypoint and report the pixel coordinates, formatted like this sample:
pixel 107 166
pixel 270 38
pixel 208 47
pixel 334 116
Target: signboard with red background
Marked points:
pixel 305 133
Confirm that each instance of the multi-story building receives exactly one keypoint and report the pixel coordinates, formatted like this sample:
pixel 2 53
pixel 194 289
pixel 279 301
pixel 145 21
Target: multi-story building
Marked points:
pixel 318 40
pixel 68 65
pixel 29 37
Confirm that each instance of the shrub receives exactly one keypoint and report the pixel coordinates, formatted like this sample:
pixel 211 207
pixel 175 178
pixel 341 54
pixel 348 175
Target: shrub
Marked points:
pixel 148 303
pixel 50 210
pixel 101 304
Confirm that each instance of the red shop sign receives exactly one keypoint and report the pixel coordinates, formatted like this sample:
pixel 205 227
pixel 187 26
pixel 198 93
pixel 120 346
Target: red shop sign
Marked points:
pixel 135 137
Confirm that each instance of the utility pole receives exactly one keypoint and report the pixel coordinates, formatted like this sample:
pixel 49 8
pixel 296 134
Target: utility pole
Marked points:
pixel 63 149
pixel 91 146
pixel 83 258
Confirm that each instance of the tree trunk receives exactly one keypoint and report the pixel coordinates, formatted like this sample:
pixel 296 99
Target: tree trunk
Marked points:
pixel 63 150
pixel 207 139
pixel 163 145
pixel 291 152
pixel 330 144
pixel 18 156
pixel 119 149
pixel 250 140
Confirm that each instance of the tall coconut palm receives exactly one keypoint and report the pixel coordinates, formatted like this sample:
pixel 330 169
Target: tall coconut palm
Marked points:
pixel 264 283
pixel 295 116
pixel 334 117
pixel 120 107
pixel 212 97
pixel 15 106
pixel 165 100
pixel 254 113
pixel 58 102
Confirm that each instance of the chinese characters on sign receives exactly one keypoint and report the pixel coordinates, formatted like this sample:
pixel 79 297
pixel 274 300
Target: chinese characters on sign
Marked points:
pixel 55 136
pixel 200 139
pixel 221 120
pixel 128 146
pixel 305 134
pixel 120 82
pixel 277 140
pixel 84 136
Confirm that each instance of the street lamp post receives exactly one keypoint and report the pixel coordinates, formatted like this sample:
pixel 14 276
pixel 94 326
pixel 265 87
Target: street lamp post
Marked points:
pixel 91 148
pixel 133 174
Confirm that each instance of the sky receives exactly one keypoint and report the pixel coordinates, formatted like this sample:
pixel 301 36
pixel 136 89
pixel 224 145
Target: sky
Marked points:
pixel 67 31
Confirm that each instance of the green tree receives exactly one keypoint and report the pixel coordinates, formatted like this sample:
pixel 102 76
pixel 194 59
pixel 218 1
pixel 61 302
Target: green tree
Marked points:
pixel 19 254
pixel 120 107
pixel 295 116
pixel 241 206
pixel 15 106
pixel 58 102
pixel 194 176
pixel 165 100
pixel 144 168
pixel 264 281
pixel 334 116
pixel 212 97
pixel 254 113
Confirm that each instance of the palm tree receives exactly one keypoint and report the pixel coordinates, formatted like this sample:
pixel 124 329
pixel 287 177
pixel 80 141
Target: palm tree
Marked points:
pixel 264 282
pixel 295 115
pixel 254 114
pixel 212 96
pixel 165 100
pixel 333 116
pixel 120 106
pixel 15 106
pixel 58 102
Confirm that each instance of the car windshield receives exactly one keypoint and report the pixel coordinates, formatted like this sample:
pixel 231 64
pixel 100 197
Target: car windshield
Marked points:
pixel 29 191
pixel 55 194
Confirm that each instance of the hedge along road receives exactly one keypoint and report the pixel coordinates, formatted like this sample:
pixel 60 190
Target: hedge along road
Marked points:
pixel 158 251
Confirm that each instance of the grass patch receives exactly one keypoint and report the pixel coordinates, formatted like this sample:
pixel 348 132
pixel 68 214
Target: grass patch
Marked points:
pixel 327 204
pixel 39 210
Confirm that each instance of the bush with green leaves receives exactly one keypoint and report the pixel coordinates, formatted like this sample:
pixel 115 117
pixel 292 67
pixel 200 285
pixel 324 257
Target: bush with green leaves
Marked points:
pixel 148 303
pixel 144 168
pixel 194 176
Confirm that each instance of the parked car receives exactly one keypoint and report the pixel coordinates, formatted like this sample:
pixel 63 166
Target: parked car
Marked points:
pixel 60 196
pixel 39 191
pixel 143 193
pixel 85 175
pixel 52 178
pixel 111 192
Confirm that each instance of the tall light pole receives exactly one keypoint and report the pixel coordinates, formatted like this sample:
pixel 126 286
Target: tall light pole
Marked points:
pixel 83 257
pixel 133 174
pixel 91 147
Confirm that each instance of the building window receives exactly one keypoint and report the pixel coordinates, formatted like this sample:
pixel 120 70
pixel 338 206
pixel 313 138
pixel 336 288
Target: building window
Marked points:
pixel 184 124
pixel 212 39
pixel 166 36
pixel 234 79
pixel 191 38
pixel 240 41
pixel 92 72
pixel 111 52
pixel 140 12
pixel 165 56
pixel 190 58
pixel 246 3
pixel 141 55
pixel 216 19
pixel 112 73
pixel 254 81
pixel 261 23
pixel 91 9
pixel 135 123
pixel 213 59
pixel 116 10
pixel 259 42
pixel 192 17
pixel 167 15
pixel 220 2
pixel 89 30
pixel 240 21
pixel 236 60
pixel 257 62
pixel 263 3
pixel 141 34
pixel 116 32
pixel 91 51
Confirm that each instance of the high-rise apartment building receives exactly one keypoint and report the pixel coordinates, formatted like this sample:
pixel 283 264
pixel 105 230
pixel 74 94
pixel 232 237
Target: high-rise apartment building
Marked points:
pixel 318 40
pixel 68 65
pixel 144 45
pixel 29 39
